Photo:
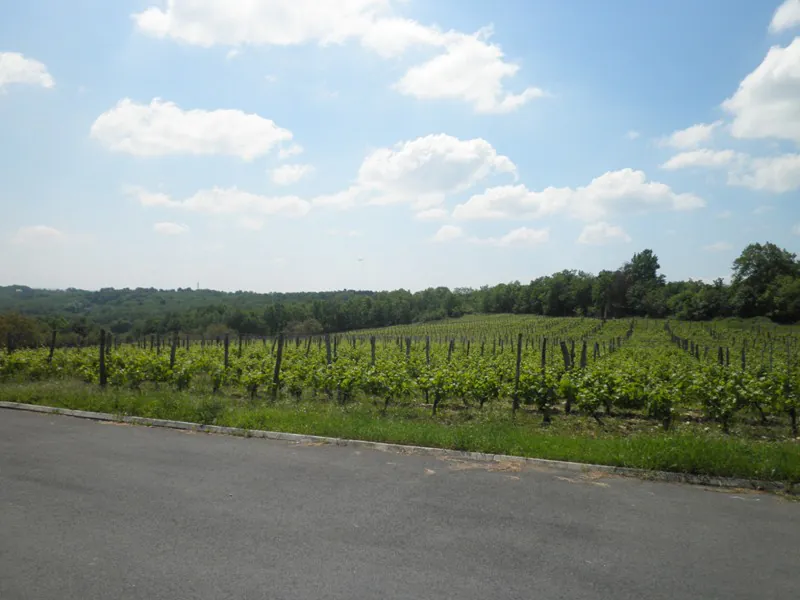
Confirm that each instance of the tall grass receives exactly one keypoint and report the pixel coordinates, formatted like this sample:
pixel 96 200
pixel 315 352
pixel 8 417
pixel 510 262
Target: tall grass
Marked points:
pixel 695 451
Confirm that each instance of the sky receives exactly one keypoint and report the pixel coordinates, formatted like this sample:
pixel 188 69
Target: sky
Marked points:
pixel 303 145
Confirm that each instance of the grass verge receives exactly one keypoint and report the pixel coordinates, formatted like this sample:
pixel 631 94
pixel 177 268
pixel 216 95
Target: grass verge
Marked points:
pixel 693 451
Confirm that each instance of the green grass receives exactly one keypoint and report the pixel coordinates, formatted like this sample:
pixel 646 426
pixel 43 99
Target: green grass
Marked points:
pixel 688 448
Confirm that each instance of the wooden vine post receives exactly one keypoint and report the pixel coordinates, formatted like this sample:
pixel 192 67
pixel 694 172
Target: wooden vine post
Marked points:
pixel 52 346
pixel 103 375
pixel 276 376
pixel 515 405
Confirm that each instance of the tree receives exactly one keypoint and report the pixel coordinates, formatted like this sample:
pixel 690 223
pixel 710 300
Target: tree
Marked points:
pixel 643 293
pixel 18 331
pixel 755 275
pixel 643 268
pixel 786 299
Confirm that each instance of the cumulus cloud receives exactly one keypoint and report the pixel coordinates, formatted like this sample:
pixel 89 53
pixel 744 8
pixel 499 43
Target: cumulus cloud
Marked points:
pixel 633 135
pixel 227 201
pixel 16 68
pixel 520 237
pixel 448 233
pixel 161 128
pixel 422 172
pixel 250 223
pixel 347 233
pixel 691 137
pixel 465 66
pixel 786 16
pixel 168 228
pixel 470 69
pixel 704 158
pixel 767 102
pixel 292 150
pixel 777 174
pixel 601 233
pixel 615 191
pixel 432 214
pixel 718 247
pixel 289 174
pixel 35 234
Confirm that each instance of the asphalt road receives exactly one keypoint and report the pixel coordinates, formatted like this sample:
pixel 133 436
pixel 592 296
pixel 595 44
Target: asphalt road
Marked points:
pixel 99 511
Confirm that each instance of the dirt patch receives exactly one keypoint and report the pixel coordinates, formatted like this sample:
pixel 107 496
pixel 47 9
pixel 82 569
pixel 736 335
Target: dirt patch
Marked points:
pixel 588 478
pixel 494 466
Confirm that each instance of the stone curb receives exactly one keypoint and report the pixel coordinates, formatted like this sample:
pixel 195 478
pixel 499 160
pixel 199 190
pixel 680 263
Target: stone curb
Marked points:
pixel 718 482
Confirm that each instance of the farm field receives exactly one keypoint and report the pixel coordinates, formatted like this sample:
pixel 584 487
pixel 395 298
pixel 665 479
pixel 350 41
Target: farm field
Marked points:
pixel 717 398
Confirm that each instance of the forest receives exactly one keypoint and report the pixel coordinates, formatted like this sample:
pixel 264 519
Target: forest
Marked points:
pixel 765 283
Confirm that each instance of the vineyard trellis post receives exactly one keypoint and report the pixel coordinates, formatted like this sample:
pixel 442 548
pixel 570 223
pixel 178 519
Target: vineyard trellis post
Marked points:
pixel 328 348
pixel 544 353
pixel 276 375
pixel 227 344
pixel 52 346
pixel 103 376
pixel 565 355
pixel 515 405
pixel 172 350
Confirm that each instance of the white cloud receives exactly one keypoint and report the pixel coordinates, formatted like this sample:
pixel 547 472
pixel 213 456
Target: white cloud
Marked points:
pixel 422 172
pixel 432 214
pixel 36 234
pixel 600 233
pixel 348 233
pixel 162 128
pixel 786 16
pixel 221 201
pixel 796 229
pixel 778 174
pixel 292 150
pixel 275 22
pixel 520 237
pixel 691 137
pixel 763 209
pixel 470 69
pixel 767 103
pixel 16 68
pixel 448 233
pixel 633 135
pixel 341 200
pixel 702 158
pixel 615 191
pixel 466 66
pixel 289 174
pixel 251 223
pixel 718 247
pixel 725 214
pixel 167 228
pixel 232 53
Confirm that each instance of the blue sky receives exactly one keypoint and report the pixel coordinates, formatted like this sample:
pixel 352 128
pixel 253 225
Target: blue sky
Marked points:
pixel 290 145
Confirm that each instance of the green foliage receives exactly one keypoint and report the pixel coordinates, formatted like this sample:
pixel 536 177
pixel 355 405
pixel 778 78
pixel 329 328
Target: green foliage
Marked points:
pixel 766 283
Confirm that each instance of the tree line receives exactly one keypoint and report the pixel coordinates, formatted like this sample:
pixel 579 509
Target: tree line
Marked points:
pixel 765 282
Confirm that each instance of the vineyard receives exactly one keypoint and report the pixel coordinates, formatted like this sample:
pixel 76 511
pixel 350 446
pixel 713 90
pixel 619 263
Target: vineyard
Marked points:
pixel 656 372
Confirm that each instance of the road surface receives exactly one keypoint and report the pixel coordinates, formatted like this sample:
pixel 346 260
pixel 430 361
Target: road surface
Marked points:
pixel 103 511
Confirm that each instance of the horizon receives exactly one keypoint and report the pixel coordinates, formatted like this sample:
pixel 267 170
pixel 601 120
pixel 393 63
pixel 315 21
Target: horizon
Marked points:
pixel 381 145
